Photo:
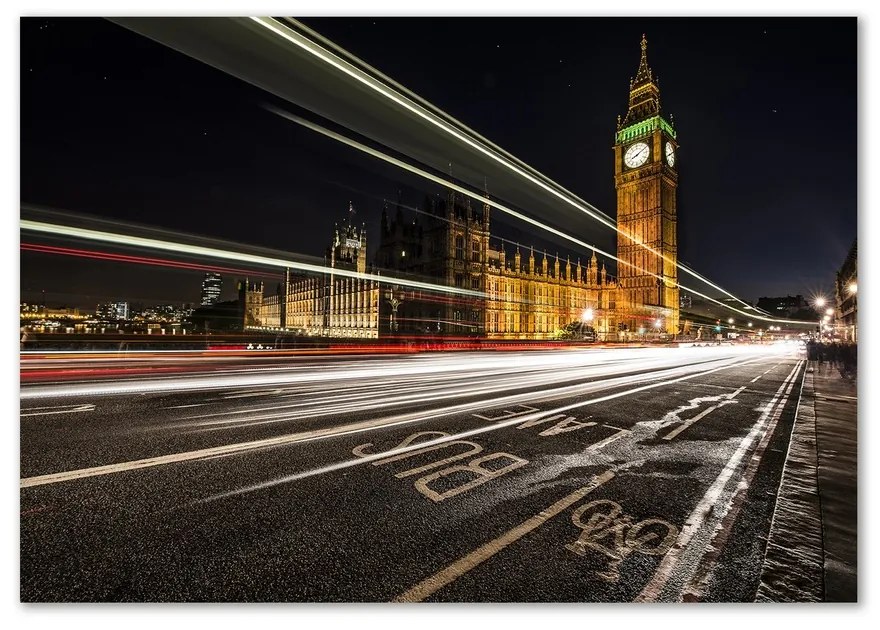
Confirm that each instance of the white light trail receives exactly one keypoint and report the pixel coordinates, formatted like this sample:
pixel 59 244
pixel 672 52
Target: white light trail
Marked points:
pixel 462 133
pixel 211 252
pixel 439 180
pixel 670 366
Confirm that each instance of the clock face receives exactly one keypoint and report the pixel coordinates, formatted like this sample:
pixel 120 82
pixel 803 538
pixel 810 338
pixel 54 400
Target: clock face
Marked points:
pixel 636 155
pixel 670 154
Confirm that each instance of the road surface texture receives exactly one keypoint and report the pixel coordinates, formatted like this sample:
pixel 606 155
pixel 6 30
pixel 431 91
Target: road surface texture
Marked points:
pixel 599 475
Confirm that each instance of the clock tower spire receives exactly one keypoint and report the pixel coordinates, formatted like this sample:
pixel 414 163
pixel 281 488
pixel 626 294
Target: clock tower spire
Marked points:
pixel 646 179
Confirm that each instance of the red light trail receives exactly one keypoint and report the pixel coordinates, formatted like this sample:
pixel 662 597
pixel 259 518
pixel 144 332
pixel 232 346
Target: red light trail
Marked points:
pixel 141 260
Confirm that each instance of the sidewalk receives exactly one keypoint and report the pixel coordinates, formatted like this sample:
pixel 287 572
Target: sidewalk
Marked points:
pixel 811 550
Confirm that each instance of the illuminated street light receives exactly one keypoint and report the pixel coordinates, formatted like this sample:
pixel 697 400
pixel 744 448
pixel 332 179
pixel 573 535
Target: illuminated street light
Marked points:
pixel 658 323
pixel 587 315
pixel 730 320
pixel 750 324
pixel 852 288
pixel 829 312
pixel 826 318
pixel 820 302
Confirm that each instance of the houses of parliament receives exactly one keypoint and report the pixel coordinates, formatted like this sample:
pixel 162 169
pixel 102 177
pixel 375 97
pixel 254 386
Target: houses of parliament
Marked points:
pixel 523 294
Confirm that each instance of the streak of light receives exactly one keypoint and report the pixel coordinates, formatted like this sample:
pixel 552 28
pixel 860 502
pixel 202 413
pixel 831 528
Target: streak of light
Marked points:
pixel 462 435
pixel 377 371
pixel 210 252
pixel 143 260
pixel 462 133
pixel 361 372
pixel 495 204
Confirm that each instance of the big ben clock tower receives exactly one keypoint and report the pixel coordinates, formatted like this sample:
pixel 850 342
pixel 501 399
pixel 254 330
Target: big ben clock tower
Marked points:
pixel 646 177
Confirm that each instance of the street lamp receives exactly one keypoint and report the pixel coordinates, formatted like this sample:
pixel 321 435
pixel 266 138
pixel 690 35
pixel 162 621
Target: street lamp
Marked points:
pixel 750 324
pixel 394 302
pixel 820 302
pixel 730 320
pixel 586 318
pixel 852 288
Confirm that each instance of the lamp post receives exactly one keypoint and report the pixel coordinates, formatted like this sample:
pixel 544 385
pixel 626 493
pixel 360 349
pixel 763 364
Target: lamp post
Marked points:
pixel 394 302
pixel 586 319
pixel 819 304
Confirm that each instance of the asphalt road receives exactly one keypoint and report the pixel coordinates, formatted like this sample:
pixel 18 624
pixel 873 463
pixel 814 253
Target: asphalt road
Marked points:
pixel 613 475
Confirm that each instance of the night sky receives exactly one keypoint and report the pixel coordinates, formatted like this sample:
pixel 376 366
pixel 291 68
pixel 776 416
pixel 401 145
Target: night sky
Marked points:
pixel 118 126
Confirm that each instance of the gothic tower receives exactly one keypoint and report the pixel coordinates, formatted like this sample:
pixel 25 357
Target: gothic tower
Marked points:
pixel 646 177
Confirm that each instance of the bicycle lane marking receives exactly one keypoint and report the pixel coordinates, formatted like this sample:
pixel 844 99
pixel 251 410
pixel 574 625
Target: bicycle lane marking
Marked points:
pixel 431 585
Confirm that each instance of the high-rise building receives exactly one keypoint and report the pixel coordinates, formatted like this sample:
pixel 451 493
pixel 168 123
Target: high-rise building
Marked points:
pixel 646 178
pixel 113 311
pixel 212 284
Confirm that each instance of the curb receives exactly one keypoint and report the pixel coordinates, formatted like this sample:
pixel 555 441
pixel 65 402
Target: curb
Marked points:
pixel 793 569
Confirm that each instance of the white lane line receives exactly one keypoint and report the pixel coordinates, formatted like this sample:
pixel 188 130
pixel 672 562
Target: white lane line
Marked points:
pixel 699 582
pixel 293 438
pixel 765 372
pixel 710 504
pixel 59 409
pixel 690 421
pixel 431 585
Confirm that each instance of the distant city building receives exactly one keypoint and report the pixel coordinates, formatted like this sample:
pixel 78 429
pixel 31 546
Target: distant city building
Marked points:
pixel 33 311
pixel 782 306
pixel 112 311
pixel 846 294
pixel 163 313
pixel 212 285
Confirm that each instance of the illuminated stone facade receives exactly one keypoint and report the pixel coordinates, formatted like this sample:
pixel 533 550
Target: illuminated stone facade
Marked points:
pixel 646 178
pixel 447 242
pixel 536 301
pixel 329 305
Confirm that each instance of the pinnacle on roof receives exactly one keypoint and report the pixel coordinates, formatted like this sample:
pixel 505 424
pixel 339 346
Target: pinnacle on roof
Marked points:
pixel 644 92
pixel 643 75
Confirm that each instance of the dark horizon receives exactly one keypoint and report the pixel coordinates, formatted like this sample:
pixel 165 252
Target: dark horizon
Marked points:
pixel 118 126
